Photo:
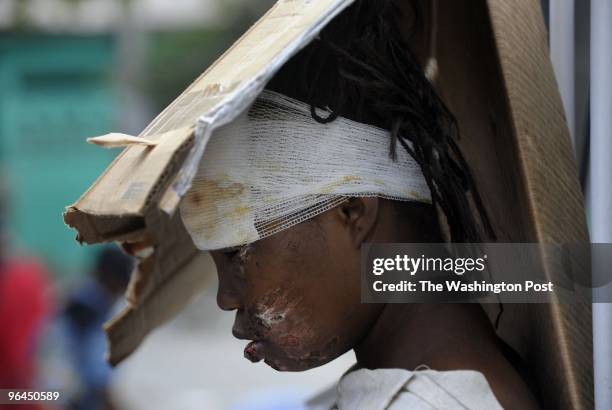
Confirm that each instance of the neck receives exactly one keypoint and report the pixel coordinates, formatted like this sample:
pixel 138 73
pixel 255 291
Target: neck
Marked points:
pixel 441 336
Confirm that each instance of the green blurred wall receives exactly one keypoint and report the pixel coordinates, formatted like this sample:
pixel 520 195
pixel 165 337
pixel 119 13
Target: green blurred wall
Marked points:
pixel 55 90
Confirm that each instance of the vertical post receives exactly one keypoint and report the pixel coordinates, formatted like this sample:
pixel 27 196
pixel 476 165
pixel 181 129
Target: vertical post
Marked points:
pixel 600 186
pixel 562 54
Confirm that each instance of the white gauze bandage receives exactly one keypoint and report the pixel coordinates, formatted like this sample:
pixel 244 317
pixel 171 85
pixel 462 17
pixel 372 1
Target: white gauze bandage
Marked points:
pixel 275 166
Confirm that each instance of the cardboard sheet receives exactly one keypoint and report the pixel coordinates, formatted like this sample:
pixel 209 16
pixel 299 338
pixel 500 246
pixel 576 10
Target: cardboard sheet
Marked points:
pixel 489 60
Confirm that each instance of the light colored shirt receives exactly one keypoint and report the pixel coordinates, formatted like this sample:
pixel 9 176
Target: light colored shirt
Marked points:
pixel 398 389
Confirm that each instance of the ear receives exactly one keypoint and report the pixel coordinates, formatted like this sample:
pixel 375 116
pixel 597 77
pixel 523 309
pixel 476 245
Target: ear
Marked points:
pixel 359 216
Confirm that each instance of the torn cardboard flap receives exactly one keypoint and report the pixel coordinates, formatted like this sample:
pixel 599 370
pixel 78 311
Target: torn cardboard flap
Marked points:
pixel 126 331
pixel 118 140
pixel 172 249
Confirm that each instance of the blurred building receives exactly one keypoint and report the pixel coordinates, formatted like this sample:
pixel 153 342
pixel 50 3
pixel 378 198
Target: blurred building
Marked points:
pixel 107 15
pixel 55 92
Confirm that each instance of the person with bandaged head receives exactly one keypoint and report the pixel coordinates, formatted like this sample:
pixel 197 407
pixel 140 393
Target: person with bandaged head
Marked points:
pixel 349 144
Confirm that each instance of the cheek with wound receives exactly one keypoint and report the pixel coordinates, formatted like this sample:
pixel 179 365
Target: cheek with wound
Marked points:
pixel 284 320
pixel 288 324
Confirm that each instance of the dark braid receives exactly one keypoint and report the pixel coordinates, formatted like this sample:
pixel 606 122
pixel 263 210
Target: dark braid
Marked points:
pixel 360 68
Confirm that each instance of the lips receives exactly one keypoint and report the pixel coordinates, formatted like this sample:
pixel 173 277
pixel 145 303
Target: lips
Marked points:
pixel 254 351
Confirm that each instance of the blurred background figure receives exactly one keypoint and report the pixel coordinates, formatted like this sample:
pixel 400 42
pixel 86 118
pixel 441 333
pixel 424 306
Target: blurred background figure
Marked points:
pixel 87 308
pixel 25 306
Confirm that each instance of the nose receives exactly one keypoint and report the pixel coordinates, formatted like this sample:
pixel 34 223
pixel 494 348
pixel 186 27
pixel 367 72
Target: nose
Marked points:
pixel 228 297
pixel 227 300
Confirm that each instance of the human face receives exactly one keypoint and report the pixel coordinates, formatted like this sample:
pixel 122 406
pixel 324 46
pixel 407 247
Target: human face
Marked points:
pixel 296 294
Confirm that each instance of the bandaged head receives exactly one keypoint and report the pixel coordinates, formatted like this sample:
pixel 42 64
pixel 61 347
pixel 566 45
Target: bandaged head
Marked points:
pixel 276 166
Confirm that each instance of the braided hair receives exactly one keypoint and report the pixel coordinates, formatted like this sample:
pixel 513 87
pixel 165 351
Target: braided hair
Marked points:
pixel 360 68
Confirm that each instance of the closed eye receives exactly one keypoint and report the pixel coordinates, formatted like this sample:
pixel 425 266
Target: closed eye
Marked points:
pixel 230 252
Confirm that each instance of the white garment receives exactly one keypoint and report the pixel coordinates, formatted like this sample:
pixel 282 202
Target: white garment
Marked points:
pixel 398 389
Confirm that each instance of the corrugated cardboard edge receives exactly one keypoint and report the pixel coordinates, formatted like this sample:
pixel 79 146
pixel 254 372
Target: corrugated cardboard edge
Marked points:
pixel 552 186
pixel 94 225
pixel 172 248
pixel 126 331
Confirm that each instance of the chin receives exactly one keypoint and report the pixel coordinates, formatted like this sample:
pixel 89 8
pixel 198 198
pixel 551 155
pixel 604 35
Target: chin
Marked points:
pixel 307 362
